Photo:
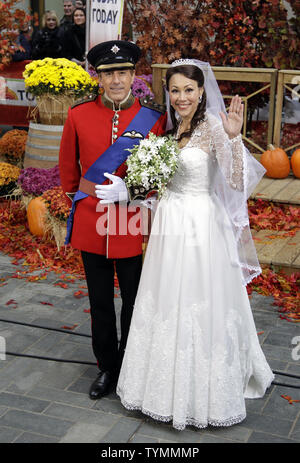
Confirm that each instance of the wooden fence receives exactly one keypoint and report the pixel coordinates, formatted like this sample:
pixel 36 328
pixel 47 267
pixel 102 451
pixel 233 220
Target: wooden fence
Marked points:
pixel 273 79
pixel 284 77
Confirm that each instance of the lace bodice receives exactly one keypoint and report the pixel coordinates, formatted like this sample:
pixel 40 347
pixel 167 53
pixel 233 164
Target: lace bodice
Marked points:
pixel 195 173
pixel 201 157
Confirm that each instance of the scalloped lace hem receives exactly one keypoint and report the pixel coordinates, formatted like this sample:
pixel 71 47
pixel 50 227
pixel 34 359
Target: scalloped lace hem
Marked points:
pixel 251 276
pixel 188 422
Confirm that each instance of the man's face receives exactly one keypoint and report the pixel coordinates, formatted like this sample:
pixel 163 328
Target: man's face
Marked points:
pixel 117 83
pixel 68 8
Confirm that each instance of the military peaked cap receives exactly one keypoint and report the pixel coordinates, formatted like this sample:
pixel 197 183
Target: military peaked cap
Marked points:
pixel 114 54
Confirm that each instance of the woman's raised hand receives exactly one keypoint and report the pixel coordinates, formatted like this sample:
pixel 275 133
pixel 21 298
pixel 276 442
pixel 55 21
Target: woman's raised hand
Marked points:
pixel 233 122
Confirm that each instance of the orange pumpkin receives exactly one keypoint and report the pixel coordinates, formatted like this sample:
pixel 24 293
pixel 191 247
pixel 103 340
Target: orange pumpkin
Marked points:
pixel 295 162
pixel 36 213
pixel 276 162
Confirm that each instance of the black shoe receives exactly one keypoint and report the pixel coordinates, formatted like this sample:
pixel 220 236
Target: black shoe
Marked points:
pixel 101 386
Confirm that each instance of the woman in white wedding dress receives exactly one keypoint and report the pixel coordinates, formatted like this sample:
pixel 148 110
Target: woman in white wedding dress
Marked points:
pixel 193 355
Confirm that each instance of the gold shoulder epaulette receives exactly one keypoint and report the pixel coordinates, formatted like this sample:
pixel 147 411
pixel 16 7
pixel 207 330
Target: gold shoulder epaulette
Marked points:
pixel 150 103
pixel 86 99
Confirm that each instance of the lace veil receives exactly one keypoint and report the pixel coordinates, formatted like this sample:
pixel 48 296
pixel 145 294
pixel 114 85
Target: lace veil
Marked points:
pixel 233 198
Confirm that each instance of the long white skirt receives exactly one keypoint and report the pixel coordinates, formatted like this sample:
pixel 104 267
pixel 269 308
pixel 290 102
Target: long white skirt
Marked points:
pixel 192 355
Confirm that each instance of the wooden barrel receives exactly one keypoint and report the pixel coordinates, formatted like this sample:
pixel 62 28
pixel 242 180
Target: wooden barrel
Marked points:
pixel 42 146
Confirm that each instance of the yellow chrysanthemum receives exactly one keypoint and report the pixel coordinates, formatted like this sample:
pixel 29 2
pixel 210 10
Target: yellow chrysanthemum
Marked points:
pixel 58 76
pixel 8 173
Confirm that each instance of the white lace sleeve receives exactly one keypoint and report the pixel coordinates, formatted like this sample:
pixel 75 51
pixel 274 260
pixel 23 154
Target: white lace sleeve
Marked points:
pixel 232 168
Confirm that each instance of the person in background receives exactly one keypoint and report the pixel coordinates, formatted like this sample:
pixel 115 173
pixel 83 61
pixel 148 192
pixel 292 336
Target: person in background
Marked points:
pixel 74 38
pixel 80 4
pixel 24 43
pixel 48 42
pixel 67 19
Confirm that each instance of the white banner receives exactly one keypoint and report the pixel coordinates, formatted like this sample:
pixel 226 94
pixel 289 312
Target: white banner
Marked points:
pixel 105 21
pixel 13 93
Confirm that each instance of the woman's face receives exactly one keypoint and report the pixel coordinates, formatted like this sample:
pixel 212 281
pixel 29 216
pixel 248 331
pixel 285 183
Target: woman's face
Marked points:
pixel 184 95
pixel 79 17
pixel 50 22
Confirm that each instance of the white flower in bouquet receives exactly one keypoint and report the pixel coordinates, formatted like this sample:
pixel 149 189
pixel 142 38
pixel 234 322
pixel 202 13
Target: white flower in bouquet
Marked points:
pixel 152 163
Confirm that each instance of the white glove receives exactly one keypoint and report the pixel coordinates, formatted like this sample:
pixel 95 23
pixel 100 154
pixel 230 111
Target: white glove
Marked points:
pixel 117 191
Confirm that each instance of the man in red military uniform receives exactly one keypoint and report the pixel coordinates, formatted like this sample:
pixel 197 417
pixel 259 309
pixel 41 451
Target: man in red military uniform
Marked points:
pixel 92 163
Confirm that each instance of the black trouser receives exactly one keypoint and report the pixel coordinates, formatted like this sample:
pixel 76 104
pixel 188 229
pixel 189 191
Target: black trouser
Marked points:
pixel 99 273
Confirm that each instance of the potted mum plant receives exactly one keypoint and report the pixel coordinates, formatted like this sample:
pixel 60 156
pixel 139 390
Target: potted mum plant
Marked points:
pixel 12 147
pixel 56 84
pixel 8 178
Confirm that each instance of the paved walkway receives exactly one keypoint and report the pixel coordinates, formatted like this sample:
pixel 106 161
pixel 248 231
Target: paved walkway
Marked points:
pixel 47 402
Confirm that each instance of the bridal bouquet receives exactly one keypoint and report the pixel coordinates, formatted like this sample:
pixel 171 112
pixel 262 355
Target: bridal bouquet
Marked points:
pixel 151 165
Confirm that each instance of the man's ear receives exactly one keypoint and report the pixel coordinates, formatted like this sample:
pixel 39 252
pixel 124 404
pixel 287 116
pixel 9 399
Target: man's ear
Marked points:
pixel 133 76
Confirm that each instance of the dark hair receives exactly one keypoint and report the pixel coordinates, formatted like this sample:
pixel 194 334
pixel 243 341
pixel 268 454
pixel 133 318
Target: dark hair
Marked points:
pixel 80 9
pixel 194 73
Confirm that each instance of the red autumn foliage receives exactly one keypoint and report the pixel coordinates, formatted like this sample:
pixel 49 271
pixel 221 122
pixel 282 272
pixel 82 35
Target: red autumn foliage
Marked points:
pixel 35 253
pixel 66 327
pixel 166 30
pixel 285 290
pixel 265 215
pixel 241 33
pixel 79 294
pixel 233 33
pixel 61 284
pixel 289 399
pixel 11 17
pixel 57 203
pixel 17 242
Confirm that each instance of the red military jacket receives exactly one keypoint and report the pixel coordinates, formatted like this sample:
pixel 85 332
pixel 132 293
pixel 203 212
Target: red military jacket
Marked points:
pixel 87 134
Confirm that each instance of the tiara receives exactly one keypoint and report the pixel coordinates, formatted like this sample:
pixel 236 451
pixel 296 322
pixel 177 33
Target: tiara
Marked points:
pixel 182 62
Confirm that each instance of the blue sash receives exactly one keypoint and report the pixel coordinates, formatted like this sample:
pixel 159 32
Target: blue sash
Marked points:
pixel 115 155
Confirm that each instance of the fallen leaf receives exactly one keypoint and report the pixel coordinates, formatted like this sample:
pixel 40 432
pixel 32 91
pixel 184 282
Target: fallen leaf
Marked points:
pixel 65 327
pixel 11 301
pixel 289 399
pixel 80 294
pixel 62 285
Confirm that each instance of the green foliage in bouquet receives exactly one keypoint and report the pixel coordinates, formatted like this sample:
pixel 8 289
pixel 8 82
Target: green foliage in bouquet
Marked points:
pixel 152 164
